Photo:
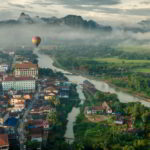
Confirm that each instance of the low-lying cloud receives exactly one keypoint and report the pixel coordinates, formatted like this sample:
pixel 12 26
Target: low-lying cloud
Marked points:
pixel 21 35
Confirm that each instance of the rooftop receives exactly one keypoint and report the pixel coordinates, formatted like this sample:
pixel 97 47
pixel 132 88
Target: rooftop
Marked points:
pixel 97 108
pixel 26 65
pixel 11 122
pixel 4 140
pixel 12 78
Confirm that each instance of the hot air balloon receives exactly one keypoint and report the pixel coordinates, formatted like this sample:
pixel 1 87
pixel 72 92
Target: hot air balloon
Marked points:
pixel 36 40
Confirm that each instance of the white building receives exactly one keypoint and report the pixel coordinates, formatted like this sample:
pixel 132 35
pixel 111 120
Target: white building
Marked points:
pixel 3 67
pixel 25 84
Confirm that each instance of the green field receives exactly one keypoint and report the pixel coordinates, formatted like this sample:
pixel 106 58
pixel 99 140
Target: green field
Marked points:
pixel 137 48
pixel 142 66
pixel 143 70
pixel 121 61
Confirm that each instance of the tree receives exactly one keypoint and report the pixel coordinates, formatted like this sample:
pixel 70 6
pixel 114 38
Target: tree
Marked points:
pixel 146 117
pixel 127 147
pixel 140 144
pixel 33 145
pixel 116 147
pixel 52 118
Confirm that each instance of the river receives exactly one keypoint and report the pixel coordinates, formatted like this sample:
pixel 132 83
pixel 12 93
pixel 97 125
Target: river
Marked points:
pixel 47 62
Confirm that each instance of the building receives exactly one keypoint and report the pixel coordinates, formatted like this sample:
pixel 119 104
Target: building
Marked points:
pixel 25 84
pixel 18 107
pixel 36 134
pixel 42 110
pixel 26 69
pixel 4 115
pixel 39 123
pixel 3 67
pixel 4 144
pixel 107 108
pixel 102 109
pixel 64 91
pixel 15 101
pixel 50 96
pixel 27 96
pixel 11 122
pixel 51 89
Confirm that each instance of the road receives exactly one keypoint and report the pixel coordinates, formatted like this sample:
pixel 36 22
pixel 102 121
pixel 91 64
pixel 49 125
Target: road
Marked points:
pixel 21 130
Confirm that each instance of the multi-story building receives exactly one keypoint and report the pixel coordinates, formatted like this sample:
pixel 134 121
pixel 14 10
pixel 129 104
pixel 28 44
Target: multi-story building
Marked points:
pixel 26 69
pixel 25 84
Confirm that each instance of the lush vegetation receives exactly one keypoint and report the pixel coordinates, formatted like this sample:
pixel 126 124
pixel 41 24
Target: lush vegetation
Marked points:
pixel 46 72
pixel 135 82
pixel 56 140
pixel 28 55
pixel 124 68
pixel 108 136
pixel 135 48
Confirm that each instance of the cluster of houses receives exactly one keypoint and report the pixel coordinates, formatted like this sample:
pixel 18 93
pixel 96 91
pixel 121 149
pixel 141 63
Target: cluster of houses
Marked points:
pixel 18 90
pixel 36 124
pixel 11 111
pixel 105 109
pixel 54 89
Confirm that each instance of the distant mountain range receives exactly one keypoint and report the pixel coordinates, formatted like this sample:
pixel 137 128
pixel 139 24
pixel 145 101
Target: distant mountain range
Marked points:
pixel 73 21
pixel 70 20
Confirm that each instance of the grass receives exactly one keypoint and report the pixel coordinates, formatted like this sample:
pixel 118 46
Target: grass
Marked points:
pixel 135 48
pixel 121 61
pixel 143 70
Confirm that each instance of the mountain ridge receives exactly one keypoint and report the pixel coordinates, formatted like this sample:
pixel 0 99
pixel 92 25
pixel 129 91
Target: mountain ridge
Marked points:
pixel 69 20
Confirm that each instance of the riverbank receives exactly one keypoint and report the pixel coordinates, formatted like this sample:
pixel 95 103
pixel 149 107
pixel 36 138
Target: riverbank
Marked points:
pixel 140 95
pixel 127 90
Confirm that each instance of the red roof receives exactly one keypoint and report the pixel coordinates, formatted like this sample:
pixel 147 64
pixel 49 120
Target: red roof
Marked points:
pixel 4 140
pixel 98 108
pixel 26 65
pixel 20 103
pixel 12 78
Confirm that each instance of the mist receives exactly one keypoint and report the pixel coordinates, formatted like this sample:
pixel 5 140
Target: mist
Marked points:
pixel 21 35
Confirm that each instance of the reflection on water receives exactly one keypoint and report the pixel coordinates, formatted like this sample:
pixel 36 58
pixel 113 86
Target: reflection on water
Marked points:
pixel 46 62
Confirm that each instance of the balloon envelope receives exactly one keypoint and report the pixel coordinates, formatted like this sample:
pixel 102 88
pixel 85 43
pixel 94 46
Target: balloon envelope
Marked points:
pixel 36 40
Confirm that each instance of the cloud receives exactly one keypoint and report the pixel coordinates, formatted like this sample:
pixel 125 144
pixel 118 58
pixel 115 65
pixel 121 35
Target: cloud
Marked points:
pixel 16 5
pixel 79 2
pixel 107 11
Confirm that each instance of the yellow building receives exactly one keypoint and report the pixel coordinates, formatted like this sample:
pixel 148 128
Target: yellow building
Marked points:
pixel 50 96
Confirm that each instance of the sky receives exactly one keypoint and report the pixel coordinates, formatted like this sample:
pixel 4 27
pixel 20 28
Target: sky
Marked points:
pixel 122 12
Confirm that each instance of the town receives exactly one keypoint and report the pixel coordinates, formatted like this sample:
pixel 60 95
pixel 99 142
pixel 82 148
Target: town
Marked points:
pixel 74 75
pixel 35 103
pixel 29 101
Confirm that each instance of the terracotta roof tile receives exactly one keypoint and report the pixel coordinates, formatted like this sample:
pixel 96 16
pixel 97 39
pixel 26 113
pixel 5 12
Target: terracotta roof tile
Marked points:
pixel 4 140
pixel 25 66
pixel 12 78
